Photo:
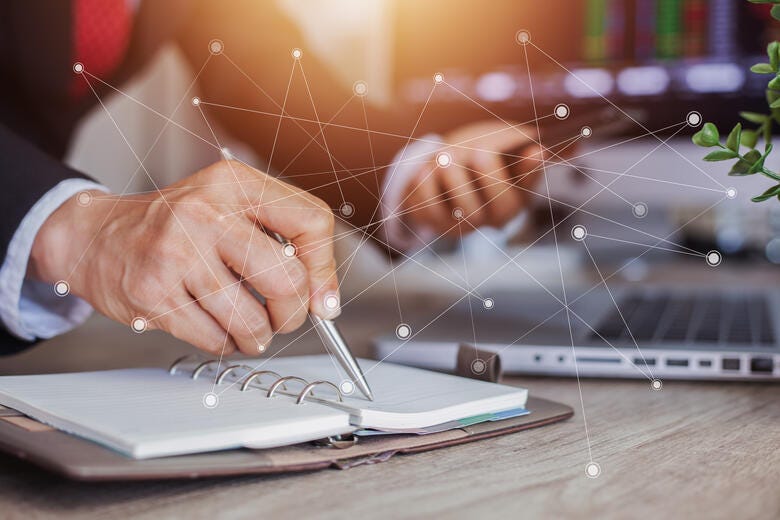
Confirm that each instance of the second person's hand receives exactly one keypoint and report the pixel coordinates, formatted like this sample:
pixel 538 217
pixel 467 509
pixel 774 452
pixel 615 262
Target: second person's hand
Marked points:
pixel 477 182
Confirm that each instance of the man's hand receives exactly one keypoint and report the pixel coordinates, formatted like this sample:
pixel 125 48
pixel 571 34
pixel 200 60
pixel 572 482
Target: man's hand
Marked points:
pixel 477 181
pixel 184 259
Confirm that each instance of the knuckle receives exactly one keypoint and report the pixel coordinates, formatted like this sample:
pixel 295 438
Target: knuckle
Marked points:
pixel 146 286
pixel 322 221
pixel 324 271
pixel 168 230
pixel 160 247
pixel 289 280
pixel 254 324
pixel 296 275
pixel 220 170
pixel 218 298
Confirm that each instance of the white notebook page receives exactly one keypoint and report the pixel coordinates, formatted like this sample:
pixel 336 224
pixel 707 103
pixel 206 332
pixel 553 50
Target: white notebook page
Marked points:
pixel 404 397
pixel 150 413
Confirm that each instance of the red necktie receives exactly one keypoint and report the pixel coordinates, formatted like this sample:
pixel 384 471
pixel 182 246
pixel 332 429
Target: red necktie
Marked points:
pixel 101 35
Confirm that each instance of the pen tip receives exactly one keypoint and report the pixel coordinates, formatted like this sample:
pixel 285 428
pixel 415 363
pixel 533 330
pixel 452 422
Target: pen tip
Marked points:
pixel 365 390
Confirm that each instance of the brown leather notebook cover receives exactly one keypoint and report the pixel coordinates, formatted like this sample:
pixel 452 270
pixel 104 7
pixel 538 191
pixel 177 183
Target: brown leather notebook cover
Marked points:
pixel 81 459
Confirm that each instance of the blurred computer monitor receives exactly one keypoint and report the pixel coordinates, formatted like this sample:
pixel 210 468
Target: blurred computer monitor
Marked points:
pixel 670 55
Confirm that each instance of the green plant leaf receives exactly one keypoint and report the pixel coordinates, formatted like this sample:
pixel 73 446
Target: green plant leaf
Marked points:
pixel 774 83
pixel 752 156
pixel 777 52
pixel 775 12
pixel 759 164
pixel 749 159
pixel 740 168
pixel 772 96
pixel 707 136
pixel 732 142
pixel 721 155
pixel 775 103
pixel 768 194
pixel 754 117
pixel 749 138
pixel 762 68
pixel 771 52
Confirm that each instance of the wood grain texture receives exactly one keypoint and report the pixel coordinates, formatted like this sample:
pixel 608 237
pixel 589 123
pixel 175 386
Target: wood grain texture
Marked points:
pixel 692 450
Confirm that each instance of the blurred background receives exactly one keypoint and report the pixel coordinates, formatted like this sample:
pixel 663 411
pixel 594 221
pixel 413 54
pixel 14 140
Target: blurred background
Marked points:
pixel 659 59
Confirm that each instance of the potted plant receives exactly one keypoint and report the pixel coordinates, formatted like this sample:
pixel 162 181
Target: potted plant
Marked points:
pixel 752 161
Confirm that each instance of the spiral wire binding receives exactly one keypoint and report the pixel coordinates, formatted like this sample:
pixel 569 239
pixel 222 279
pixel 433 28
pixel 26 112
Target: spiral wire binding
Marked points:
pixel 203 366
pixel 179 361
pixel 226 372
pixel 310 389
pixel 276 384
pixel 256 375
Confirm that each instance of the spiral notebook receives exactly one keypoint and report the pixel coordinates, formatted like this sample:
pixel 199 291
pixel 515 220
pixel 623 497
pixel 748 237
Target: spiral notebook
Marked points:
pixel 146 413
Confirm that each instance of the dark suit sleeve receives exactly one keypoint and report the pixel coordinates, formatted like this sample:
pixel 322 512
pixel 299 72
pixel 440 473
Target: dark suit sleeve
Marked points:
pixel 338 164
pixel 27 175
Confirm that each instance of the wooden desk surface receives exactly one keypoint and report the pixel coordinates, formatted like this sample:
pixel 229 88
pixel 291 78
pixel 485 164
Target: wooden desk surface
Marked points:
pixel 693 450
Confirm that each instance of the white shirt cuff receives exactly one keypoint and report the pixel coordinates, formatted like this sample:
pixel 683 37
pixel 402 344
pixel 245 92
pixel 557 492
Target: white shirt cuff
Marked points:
pixel 30 309
pixel 407 164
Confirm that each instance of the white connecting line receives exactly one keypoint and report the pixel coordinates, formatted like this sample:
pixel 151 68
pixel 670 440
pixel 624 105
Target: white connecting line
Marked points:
pixel 339 172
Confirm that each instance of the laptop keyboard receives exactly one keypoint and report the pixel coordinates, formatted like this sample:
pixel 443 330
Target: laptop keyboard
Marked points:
pixel 678 318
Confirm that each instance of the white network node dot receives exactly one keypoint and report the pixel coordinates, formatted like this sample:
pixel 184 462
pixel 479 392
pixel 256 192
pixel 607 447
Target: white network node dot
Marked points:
pixel 522 37
pixel 656 384
pixel 360 88
pixel 195 101
pixel 561 111
pixel 403 331
pixel 289 250
pixel 78 67
pixel 443 159
pixel 488 303
pixel 586 131
pixel 216 46
pixel 457 213
pixel 731 193
pixel 347 387
pixel 332 302
pixel 478 366
pixel 297 53
pixel 84 198
pixel 347 210
pixel 61 288
pixel 210 400
pixel 593 470
pixel 438 77
pixel 640 210
pixel 693 118
pixel 138 324
pixel 226 153
pixel 713 258
pixel 579 232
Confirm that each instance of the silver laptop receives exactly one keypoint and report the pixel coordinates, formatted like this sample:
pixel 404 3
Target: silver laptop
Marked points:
pixel 653 332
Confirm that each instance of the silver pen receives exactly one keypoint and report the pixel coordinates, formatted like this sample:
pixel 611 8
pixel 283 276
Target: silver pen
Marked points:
pixel 333 340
